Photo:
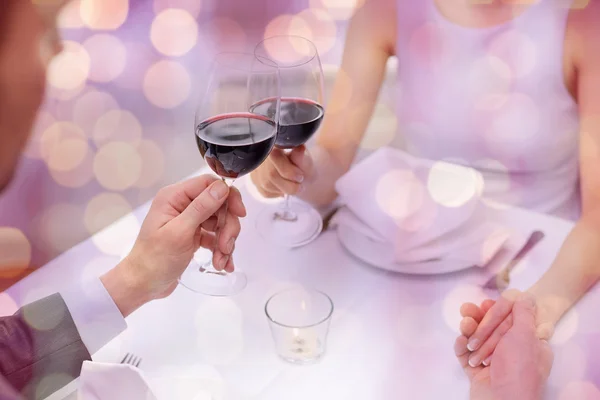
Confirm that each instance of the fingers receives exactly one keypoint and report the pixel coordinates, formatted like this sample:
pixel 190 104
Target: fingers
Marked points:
pixel 545 331
pixel 220 260
pixel 268 189
pixel 468 326
pixel 235 203
pixel 271 184
pixel 229 233
pixel 229 224
pixel 470 310
pixel 210 224
pixel 230 267
pixel 195 186
pixel 285 168
pixel 462 355
pixel 203 206
pixel 486 305
pixel 180 195
pixel 277 175
pixel 271 193
pixel 487 362
pixel 473 311
pixel 472 315
pixel 208 240
pixel 524 312
pixel 492 319
pixel 283 173
pixel 460 348
pixel 302 159
pixel 284 186
pixel 488 347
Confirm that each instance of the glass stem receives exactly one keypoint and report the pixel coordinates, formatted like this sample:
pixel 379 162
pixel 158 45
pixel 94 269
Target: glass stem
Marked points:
pixel 286 202
pixel 221 218
pixel 286 213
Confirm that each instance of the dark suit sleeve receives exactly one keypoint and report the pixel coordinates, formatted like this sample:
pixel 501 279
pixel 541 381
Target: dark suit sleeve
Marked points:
pixel 40 348
pixel 7 392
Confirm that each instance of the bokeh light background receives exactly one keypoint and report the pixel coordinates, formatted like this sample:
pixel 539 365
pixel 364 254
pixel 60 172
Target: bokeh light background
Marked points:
pixel 117 121
pixel 117 125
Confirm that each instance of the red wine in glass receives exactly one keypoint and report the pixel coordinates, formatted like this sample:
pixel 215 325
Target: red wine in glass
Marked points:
pixel 302 100
pixel 235 144
pixel 299 119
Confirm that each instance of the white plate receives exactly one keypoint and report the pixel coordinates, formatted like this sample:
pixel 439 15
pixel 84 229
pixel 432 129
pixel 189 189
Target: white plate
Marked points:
pixel 381 255
pixel 392 188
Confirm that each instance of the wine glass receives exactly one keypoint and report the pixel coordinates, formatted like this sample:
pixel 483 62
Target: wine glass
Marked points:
pixel 233 141
pixel 301 112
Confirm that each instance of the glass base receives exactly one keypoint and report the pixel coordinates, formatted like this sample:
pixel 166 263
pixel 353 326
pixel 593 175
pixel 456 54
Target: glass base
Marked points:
pixel 277 227
pixel 302 361
pixel 206 280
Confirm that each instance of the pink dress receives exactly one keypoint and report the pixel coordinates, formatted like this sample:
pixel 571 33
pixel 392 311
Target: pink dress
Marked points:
pixel 495 99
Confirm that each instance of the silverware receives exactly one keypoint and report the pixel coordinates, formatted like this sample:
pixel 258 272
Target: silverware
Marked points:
pixel 502 279
pixel 131 359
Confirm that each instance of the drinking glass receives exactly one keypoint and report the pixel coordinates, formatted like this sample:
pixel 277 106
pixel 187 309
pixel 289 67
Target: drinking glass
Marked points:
pixel 233 141
pixel 299 321
pixel 294 223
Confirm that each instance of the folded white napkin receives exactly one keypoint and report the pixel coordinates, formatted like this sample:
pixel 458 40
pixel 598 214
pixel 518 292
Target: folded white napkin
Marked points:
pixel 400 209
pixel 101 381
pixel 104 381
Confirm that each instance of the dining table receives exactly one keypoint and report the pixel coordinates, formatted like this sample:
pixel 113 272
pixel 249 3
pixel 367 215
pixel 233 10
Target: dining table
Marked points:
pixel 391 335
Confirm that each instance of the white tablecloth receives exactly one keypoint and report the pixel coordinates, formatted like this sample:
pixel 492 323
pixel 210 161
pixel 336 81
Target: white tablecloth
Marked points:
pixel 391 336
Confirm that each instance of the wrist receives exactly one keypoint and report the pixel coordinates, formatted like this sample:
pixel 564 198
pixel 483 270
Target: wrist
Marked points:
pixel 549 310
pixel 522 390
pixel 480 392
pixel 319 186
pixel 127 290
pixel 553 306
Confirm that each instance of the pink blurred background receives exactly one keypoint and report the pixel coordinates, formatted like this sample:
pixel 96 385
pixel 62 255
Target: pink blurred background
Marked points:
pixel 117 121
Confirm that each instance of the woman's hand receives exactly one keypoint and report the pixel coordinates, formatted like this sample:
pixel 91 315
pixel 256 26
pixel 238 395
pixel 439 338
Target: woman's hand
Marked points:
pixel 478 376
pixel 283 173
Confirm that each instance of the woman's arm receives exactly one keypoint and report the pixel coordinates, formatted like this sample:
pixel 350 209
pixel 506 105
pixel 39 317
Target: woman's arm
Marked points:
pixel 369 43
pixel 577 266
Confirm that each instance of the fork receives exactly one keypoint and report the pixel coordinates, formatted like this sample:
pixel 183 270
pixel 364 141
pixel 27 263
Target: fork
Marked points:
pixel 501 280
pixel 131 359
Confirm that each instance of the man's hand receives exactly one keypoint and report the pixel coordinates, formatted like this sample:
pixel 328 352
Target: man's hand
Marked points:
pixel 521 363
pixel 182 218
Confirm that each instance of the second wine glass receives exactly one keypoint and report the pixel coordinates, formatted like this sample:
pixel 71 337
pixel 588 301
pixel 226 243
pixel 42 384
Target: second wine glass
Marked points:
pixel 295 223
pixel 233 141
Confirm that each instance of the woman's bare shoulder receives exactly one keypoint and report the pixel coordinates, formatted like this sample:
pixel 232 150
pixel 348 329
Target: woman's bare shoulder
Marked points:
pixel 583 30
pixel 380 18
